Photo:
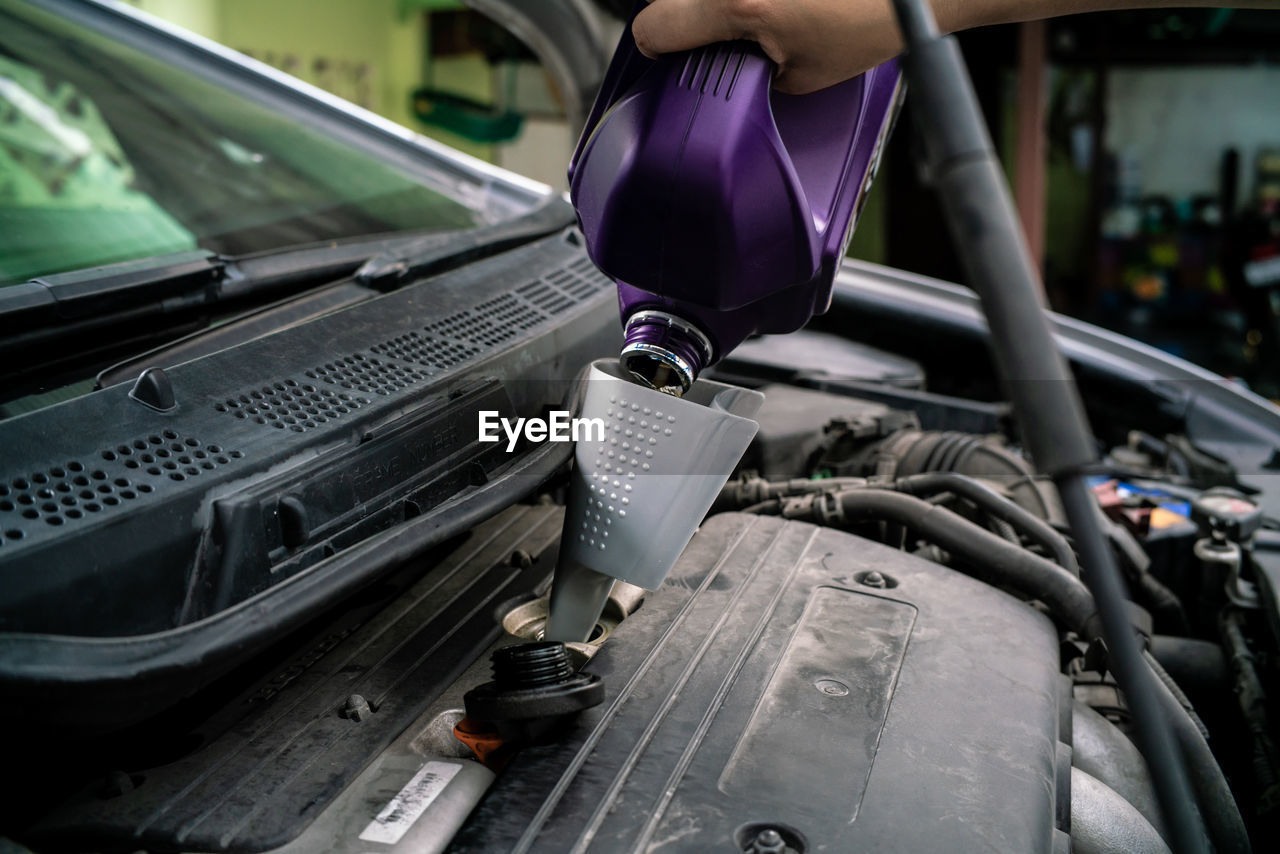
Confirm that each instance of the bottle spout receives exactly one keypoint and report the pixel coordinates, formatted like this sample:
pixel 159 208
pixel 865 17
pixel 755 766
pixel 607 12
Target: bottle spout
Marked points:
pixel 664 352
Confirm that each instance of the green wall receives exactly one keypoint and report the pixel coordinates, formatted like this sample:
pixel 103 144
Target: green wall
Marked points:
pixel 199 16
pixel 370 52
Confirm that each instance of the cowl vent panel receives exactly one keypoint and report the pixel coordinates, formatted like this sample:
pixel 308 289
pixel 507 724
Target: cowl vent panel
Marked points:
pixel 116 477
pixel 290 405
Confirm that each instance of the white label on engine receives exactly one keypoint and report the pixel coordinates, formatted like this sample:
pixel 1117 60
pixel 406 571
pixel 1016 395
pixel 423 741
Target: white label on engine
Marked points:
pixel 406 807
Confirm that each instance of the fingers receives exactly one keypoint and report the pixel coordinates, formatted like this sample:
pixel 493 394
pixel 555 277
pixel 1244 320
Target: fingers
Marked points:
pixel 672 25
pixel 814 43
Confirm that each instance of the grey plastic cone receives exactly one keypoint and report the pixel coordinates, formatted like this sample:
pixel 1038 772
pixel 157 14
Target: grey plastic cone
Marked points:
pixel 638 493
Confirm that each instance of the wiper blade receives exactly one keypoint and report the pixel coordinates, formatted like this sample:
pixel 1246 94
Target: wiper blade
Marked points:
pixel 53 327
pixel 165 284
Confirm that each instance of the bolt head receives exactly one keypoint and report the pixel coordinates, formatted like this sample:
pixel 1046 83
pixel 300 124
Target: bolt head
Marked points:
pixel 832 687
pixel 116 784
pixel 356 708
pixel 768 841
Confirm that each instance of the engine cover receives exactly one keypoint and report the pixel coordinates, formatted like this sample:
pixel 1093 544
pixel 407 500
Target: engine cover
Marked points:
pixel 767 685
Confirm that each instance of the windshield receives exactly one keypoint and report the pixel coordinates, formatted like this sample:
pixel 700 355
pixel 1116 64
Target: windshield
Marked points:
pixel 109 155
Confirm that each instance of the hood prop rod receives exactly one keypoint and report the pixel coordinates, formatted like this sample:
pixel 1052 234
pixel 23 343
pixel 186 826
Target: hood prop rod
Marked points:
pixel 961 160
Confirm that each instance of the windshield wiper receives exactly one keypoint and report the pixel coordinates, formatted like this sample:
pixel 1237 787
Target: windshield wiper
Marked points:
pixel 59 329
pixel 65 304
pixel 51 326
pixel 167 284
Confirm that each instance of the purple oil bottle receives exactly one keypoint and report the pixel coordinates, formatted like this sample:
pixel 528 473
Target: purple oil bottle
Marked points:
pixel 721 207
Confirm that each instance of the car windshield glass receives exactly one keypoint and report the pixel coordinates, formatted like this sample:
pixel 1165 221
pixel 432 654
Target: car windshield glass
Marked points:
pixel 107 154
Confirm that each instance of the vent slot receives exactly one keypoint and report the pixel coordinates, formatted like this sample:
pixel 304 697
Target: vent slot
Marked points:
pixel 462 336
pixel 290 405
pixel 545 297
pixel 471 327
pixel 581 280
pixel 76 490
pixel 432 352
pixel 566 287
pixel 508 310
pixel 362 373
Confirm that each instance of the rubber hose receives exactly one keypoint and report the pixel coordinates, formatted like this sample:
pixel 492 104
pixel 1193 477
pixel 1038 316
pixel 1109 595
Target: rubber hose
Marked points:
pixel 1197 665
pixel 1169 682
pixel 1217 804
pixel 742 494
pixel 1004 530
pixel 750 495
pixel 1162 602
pixel 1103 822
pixel 1031 526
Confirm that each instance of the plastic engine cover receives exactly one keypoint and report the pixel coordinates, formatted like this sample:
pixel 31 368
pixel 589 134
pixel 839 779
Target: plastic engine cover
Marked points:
pixel 766 685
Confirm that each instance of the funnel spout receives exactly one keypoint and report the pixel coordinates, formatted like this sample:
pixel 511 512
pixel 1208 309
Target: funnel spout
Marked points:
pixel 578 595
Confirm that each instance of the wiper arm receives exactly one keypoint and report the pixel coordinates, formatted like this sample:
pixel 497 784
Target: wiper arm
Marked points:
pixel 175 281
pixel 54 306
pixel 166 284
pixel 101 312
pixel 432 254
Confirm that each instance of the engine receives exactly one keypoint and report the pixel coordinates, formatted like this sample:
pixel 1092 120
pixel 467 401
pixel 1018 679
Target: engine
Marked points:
pixel 877 640
pixel 851 655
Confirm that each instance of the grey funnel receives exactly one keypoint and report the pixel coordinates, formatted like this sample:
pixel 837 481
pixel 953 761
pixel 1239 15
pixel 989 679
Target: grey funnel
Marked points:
pixel 638 493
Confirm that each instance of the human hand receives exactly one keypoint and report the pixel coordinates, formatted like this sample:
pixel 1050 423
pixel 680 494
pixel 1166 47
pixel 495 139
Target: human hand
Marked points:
pixel 815 43
pixel 818 43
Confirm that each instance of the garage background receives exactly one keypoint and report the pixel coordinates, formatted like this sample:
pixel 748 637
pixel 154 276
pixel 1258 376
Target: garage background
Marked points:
pixel 1143 147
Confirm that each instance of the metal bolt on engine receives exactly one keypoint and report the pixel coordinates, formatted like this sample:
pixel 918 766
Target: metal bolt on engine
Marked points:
pixel 768 841
pixel 356 708
pixel 116 784
pixel 832 687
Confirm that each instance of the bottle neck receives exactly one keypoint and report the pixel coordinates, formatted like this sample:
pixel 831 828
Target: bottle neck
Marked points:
pixel 664 352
